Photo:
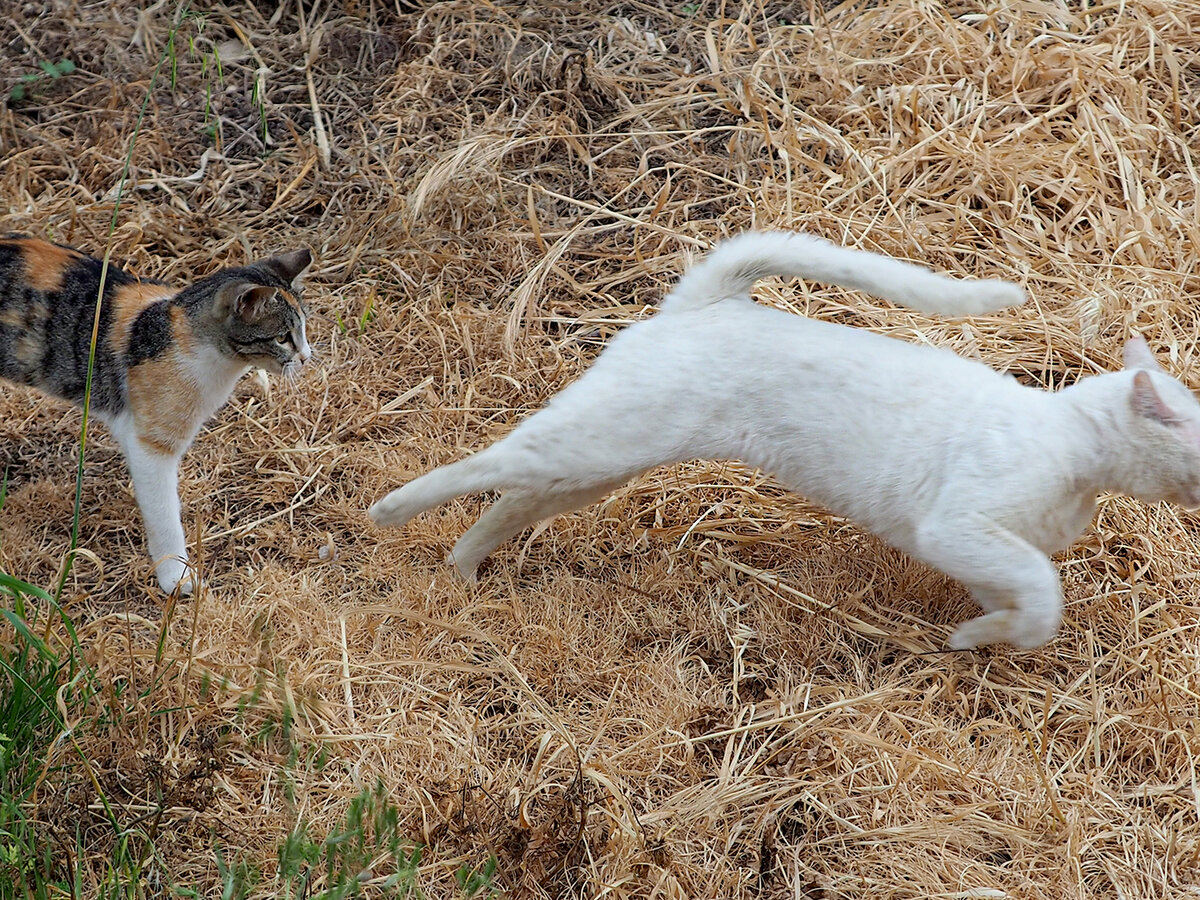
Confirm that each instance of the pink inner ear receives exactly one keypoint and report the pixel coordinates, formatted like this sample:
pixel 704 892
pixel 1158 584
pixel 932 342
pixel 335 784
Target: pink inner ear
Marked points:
pixel 1146 401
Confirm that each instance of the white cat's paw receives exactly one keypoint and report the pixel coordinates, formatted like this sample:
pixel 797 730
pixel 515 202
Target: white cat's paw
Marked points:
pixel 990 296
pixel 990 629
pixel 466 570
pixel 392 510
pixel 1024 630
pixel 1031 632
pixel 962 641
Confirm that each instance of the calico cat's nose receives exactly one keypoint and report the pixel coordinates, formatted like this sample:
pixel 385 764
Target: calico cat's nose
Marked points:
pixel 304 354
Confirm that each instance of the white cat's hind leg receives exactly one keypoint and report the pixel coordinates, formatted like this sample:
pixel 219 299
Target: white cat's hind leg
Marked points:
pixel 990 601
pixel 987 629
pixel 515 511
pixel 993 628
pixel 476 473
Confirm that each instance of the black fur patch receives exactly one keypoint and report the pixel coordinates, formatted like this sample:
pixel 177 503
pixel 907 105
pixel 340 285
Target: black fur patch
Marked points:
pixel 46 335
pixel 151 333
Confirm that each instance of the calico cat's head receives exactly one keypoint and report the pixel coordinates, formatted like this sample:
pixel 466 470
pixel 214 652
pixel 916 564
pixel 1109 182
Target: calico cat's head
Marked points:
pixel 257 314
pixel 1164 417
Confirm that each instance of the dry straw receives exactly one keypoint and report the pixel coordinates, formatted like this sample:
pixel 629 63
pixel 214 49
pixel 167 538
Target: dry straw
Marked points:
pixel 703 686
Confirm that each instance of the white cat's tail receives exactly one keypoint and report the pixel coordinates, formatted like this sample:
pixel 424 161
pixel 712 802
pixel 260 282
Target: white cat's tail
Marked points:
pixel 732 268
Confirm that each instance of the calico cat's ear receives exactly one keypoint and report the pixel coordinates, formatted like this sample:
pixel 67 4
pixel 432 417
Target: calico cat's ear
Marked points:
pixel 288 265
pixel 1148 403
pixel 1137 354
pixel 244 299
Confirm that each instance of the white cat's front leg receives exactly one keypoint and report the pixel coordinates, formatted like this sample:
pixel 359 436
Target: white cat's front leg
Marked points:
pixel 156 486
pixel 1010 578
pixel 989 600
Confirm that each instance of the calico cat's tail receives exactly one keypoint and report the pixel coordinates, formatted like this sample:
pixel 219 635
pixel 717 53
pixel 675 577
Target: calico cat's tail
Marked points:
pixel 732 268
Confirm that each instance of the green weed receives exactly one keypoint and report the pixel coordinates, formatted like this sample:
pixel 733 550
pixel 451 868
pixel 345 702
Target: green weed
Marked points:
pixel 212 72
pixel 367 854
pixel 31 84
pixel 31 675
pixel 258 96
pixel 477 882
pixel 366 318
pixel 366 857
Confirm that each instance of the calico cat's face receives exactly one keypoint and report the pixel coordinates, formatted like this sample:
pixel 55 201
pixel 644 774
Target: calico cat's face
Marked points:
pixel 260 315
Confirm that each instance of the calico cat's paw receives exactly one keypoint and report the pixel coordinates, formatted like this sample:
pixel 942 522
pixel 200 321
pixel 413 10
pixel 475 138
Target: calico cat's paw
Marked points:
pixel 175 575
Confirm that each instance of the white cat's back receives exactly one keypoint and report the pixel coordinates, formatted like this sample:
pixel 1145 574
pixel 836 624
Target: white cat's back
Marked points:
pixel 817 388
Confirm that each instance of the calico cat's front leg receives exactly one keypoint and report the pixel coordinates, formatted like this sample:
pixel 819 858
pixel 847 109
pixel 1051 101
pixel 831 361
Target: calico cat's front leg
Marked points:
pixel 1011 579
pixel 156 486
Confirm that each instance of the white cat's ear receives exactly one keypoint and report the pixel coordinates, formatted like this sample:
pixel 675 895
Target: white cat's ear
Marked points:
pixel 244 299
pixel 1147 402
pixel 1137 355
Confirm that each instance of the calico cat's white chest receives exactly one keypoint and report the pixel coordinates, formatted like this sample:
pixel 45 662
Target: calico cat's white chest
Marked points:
pixel 209 377
pixel 172 396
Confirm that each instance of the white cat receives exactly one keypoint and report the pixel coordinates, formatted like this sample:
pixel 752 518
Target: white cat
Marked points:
pixel 948 460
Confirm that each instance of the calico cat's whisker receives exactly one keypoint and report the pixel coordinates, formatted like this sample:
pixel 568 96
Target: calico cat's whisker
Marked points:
pixel 297 367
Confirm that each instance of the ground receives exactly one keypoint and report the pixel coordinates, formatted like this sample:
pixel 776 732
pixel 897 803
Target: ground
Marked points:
pixel 702 686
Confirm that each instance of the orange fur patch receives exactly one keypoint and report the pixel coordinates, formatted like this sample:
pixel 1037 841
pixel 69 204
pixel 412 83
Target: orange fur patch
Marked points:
pixel 45 263
pixel 158 446
pixel 181 330
pixel 129 300
pixel 292 299
pixel 165 406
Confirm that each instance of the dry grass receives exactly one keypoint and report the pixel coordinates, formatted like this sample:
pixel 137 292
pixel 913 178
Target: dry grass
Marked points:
pixel 702 687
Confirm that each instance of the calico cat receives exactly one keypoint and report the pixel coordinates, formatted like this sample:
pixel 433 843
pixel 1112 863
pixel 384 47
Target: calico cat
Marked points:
pixel 962 467
pixel 166 359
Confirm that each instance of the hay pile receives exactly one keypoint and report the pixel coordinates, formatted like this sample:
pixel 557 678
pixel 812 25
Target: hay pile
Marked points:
pixel 703 686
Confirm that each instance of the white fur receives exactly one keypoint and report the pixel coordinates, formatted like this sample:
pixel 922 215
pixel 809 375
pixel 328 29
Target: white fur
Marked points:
pixel 156 487
pixel 291 369
pixel 210 377
pixel 732 268
pixel 958 465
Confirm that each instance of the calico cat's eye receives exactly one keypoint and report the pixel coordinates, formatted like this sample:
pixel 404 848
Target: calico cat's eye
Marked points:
pixel 285 339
